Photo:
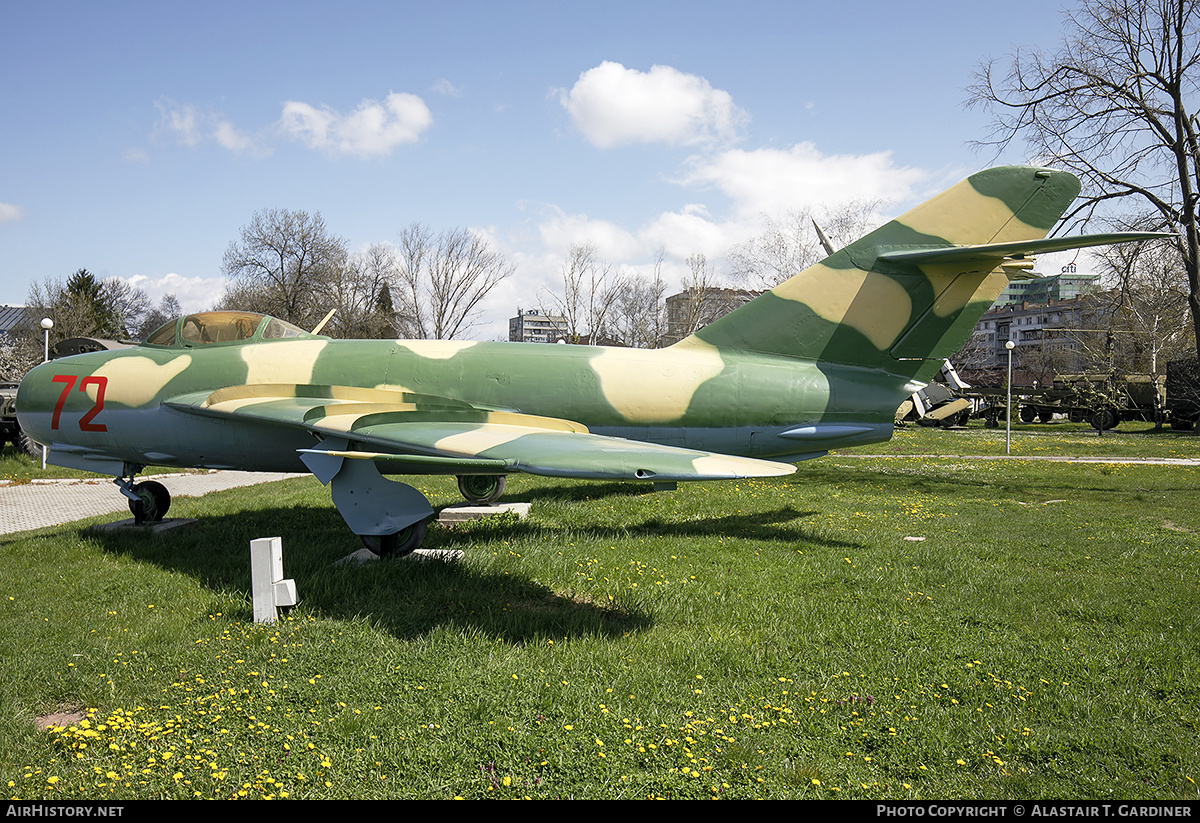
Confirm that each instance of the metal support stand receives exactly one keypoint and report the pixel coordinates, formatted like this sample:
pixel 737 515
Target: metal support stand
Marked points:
pixel 269 588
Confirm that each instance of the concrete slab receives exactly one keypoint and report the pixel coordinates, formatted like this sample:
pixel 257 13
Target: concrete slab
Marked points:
pixel 463 512
pixel 158 527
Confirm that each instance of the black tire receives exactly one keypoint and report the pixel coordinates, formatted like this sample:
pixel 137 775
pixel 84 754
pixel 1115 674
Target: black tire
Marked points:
pixel 30 446
pixel 398 544
pixel 1103 419
pixel 153 501
pixel 481 488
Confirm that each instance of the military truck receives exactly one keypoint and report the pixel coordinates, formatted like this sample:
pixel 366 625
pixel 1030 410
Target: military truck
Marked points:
pixel 10 432
pixel 1103 399
pixel 1183 392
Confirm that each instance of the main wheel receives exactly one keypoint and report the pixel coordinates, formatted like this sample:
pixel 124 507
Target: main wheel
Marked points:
pixel 398 544
pixel 153 500
pixel 1104 419
pixel 481 488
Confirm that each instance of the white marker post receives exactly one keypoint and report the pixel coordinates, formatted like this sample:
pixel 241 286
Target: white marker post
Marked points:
pixel 269 588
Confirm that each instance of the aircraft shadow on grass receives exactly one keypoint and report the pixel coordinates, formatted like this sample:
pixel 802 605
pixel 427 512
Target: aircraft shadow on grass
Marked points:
pixel 409 596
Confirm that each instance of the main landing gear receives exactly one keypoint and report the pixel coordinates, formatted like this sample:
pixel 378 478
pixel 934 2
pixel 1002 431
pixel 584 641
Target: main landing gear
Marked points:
pixel 481 488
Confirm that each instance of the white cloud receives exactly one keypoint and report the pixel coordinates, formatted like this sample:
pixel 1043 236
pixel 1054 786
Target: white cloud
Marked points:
pixel 559 231
pixel 193 293
pixel 445 87
pixel 692 231
pixel 371 130
pixel 178 121
pixel 190 125
pixel 773 181
pixel 612 105
pixel 756 183
pixel 10 213
pixel 229 137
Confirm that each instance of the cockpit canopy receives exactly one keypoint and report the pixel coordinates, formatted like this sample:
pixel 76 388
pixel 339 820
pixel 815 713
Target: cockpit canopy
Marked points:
pixel 214 327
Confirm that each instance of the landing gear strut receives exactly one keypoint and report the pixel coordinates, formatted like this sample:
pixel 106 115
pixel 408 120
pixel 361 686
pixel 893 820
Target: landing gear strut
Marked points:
pixel 389 518
pixel 148 500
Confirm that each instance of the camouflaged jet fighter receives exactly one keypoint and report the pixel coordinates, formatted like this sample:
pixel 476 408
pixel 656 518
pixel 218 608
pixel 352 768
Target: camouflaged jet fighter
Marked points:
pixel 821 361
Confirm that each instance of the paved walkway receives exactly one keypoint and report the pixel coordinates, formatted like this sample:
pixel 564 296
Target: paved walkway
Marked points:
pixel 53 502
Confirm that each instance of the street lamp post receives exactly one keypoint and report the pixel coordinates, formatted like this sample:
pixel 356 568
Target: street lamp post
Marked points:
pixel 1010 345
pixel 47 325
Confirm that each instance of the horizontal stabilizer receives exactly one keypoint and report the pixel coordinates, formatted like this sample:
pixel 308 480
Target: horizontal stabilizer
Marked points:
pixel 999 251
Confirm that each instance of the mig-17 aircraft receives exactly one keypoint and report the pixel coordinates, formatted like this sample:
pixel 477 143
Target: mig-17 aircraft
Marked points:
pixel 820 361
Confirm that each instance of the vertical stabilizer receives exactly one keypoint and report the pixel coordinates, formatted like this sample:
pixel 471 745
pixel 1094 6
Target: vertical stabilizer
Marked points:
pixel 897 297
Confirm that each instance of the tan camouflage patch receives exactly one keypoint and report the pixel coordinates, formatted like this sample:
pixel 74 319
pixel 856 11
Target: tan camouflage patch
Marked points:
pixel 135 381
pixel 392 387
pixel 480 439
pixel 275 363
pixel 654 385
pixel 436 349
pixel 955 288
pixel 944 217
pixel 340 421
pixel 833 294
pixel 720 465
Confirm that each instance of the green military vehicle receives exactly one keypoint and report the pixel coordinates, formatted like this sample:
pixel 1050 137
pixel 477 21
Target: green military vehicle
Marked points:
pixel 1103 399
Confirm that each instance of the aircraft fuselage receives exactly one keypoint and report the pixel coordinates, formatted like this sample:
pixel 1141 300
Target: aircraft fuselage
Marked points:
pixel 730 402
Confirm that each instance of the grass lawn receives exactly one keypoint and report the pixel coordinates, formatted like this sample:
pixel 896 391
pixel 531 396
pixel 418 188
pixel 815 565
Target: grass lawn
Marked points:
pixel 906 626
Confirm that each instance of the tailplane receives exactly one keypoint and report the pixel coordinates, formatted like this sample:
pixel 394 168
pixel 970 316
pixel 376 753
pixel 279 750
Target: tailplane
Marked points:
pixel 907 295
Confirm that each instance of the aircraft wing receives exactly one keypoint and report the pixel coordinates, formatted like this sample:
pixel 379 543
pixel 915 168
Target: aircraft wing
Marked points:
pixel 422 433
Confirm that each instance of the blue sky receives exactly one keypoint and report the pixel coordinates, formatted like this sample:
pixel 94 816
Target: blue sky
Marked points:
pixel 139 137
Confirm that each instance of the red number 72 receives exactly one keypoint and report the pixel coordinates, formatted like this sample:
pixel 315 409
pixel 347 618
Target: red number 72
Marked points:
pixel 85 422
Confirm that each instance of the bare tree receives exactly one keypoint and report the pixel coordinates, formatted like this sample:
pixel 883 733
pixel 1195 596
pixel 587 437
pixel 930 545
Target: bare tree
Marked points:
pixel 127 306
pixel 281 263
pixel 697 306
pixel 86 306
pixel 1116 104
pixel 590 290
pixel 360 295
pixel 18 354
pixel 1147 305
pixel 443 279
pixel 639 317
pixel 789 243
pixel 167 309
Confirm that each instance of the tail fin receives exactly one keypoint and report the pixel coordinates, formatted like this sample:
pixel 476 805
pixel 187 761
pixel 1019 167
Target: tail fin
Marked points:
pixel 909 293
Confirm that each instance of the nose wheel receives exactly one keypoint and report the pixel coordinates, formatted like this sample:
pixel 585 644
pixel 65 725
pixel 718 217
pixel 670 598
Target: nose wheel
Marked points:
pixel 149 502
